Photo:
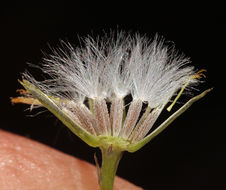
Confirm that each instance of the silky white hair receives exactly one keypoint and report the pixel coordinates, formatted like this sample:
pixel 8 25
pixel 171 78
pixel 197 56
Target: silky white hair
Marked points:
pixel 107 70
pixel 116 66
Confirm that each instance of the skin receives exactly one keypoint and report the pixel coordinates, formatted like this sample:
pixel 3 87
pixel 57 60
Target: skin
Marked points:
pixel 29 165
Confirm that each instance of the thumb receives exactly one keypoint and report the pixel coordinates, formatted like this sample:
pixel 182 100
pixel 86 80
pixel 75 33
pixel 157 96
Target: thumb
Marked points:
pixel 26 165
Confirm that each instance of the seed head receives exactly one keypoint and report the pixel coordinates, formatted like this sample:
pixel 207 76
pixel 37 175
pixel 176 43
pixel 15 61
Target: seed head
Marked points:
pixel 104 71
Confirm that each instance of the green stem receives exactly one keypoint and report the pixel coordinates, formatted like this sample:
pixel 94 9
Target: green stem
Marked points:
pixel 110 159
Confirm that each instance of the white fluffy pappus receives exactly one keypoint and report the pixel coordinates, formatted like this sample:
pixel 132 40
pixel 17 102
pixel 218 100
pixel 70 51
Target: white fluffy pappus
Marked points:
pixel 108 69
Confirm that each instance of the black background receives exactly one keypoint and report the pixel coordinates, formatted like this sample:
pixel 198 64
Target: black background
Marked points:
pixel 191 153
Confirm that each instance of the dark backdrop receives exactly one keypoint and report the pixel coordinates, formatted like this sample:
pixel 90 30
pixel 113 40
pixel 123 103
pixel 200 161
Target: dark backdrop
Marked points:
pixel 191 153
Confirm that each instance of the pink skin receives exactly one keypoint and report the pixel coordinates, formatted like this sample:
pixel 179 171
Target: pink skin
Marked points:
pixel 29 165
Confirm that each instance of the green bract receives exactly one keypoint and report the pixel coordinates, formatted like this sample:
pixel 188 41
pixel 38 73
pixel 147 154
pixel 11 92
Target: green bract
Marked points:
pixel 101 140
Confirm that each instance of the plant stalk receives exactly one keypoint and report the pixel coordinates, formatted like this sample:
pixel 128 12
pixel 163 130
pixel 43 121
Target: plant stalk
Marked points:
pixel 110 159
